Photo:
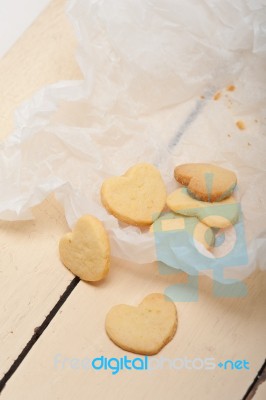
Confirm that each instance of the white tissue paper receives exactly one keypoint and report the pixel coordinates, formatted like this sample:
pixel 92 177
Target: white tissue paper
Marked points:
pixel 151 69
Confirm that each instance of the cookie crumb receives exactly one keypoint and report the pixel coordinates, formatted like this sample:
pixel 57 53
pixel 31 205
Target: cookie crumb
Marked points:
pixel 231 88
pixel 217 96
pixel 241 125
pixel 202 97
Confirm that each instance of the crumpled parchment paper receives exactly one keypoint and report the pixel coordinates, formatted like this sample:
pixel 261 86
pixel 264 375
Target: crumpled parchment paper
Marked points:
pixel 151 69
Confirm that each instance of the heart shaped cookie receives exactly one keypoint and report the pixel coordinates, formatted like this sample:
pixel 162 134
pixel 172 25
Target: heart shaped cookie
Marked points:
pixel 138 197
pixel 145 329
pixel 206 182
pixel 86 250
pixel 220 214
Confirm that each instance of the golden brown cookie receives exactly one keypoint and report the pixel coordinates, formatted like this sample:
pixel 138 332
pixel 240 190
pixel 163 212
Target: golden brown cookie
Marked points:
pixel 206 182
pixel 86 250
pixel 145 329
pixel 137 197
pixel 220 214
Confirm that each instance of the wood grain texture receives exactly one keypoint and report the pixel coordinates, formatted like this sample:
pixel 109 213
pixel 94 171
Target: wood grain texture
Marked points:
pixel 44 54
pixel 32 279
pixel 211 327
pixel 31 275
pixel 261 392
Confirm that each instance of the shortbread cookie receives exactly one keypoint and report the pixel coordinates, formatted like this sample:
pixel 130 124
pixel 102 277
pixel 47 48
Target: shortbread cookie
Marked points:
pixel 145 329
pixel 171 222
pixel 86 250
pixel 220 214
pixel 206 182
pixel 138 197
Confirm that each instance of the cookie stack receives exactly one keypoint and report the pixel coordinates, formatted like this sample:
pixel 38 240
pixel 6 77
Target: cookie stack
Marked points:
pixel 139 198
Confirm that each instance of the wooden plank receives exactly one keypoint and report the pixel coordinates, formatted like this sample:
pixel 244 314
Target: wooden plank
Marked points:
pixel 44 54
pixel 32 280
pixel 31 277
pixel 209 328
pixel 261 392
pixel 257 390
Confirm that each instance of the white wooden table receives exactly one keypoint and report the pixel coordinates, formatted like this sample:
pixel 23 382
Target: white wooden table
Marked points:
pixel 32 280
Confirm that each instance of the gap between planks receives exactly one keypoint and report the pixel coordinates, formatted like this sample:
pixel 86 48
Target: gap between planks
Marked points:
pixel 38 331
